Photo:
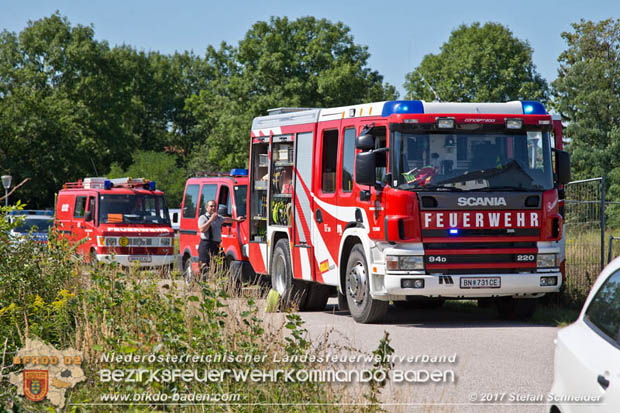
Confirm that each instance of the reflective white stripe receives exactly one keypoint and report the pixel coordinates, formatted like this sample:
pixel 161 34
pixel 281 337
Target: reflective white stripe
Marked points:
pixel 306 271
pixel 263 253
pixel 266 132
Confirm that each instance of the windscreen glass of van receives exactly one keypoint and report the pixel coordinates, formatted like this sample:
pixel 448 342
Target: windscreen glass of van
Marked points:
pixel 470 161
pixel 133 209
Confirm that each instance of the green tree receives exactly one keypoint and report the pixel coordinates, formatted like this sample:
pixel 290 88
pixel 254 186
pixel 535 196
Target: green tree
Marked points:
pixel 306 62
pixel 159 167
pixel 587 95
pixel 478 64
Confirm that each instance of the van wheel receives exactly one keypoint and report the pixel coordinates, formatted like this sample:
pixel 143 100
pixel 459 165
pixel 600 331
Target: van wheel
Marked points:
pixel 363 308
pixel 188 273
pixel 291 291
pixel 318 295
pixel 510 308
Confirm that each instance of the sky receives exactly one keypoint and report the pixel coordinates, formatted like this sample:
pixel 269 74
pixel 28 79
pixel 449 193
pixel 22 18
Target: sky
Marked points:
pixel 398 33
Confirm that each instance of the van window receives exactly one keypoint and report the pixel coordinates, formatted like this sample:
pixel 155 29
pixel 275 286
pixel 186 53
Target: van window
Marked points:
pixel 190 202
pixel 80 207
pixel 241 198
pixel 209 192
pixel 224 199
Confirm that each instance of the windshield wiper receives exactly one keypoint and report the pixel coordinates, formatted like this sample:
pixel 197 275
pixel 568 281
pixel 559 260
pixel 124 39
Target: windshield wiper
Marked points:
pixel 501 188
pixel 431 187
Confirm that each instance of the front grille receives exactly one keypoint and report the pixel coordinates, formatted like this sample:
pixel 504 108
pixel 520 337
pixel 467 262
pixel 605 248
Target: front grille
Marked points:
pixel 478 258
pixel 481 271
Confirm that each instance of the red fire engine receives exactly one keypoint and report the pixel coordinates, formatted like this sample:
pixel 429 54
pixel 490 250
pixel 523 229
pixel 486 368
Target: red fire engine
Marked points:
pixel 120 220
pixel 406 200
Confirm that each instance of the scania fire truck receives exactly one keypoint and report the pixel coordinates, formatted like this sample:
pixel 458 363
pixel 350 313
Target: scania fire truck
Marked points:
pixel 120 220
pixel 406 200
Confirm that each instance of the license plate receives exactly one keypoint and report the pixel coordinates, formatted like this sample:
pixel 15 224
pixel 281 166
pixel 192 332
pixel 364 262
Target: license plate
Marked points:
pixel 140 258
pixel 481 282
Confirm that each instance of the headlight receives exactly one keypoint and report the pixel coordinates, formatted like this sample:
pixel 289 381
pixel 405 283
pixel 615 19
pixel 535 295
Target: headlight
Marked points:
pixel 165 242
pixel 404 262
pixel 546 260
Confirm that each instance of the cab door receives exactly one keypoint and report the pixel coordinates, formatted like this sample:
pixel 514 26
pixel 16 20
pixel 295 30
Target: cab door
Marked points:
pixel 77 222
pixel 325 239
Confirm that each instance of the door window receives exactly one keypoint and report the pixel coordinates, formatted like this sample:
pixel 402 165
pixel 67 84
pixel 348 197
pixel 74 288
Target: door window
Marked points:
pixel 348 159
pixel 330 160
pixel 604 310
pixel 224 199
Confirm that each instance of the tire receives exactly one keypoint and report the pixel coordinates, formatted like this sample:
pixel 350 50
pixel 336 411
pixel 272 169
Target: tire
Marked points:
pixel 363 308
pixel 510 308
pixel 343 304
pixel 292 292
pixel 188 272
pixel 92 258
pixel 318 295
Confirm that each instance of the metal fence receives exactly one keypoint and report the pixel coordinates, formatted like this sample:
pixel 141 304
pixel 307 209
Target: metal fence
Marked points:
pixel 584 232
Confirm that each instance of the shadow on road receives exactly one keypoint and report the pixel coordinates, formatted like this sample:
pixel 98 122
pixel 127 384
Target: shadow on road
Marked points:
pixel 449 316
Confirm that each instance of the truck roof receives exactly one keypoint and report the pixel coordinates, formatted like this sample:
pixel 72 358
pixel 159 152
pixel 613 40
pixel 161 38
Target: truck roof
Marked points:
pixel 269 124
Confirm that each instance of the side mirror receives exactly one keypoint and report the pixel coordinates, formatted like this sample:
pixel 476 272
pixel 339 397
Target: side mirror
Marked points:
pixel 365 142
pixel 563 166
pixel 222 210
pixel 365 172
pixel 88 216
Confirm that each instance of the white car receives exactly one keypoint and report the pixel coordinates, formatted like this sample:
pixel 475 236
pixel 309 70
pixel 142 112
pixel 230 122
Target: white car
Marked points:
pixel 587 353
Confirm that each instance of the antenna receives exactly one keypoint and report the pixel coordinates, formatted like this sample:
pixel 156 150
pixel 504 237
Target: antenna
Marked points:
pixel 431 88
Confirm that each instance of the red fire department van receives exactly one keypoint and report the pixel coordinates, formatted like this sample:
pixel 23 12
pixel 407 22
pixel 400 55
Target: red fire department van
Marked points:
pixel 230 193
pixel 122 220
pixel 398 200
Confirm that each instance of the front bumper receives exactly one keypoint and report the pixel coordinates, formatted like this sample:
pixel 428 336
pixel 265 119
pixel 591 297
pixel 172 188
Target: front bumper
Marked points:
pixel 142 260
pixel 449 286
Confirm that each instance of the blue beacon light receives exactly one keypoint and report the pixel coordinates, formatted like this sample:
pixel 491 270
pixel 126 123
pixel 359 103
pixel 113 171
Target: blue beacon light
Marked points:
pixel 453 231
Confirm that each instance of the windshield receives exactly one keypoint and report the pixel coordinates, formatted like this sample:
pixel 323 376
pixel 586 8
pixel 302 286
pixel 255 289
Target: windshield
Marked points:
pixel 34 224
pixel 241 196
pixel 133 209
pixel 468 161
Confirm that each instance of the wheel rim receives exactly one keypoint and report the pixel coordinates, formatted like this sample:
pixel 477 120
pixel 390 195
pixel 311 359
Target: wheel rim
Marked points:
pixel 357 281
pixel 279 274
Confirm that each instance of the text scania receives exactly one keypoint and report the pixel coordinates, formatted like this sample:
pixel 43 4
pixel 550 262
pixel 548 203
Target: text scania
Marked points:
pixel 275 375
pixel 481 201
pixel 483 219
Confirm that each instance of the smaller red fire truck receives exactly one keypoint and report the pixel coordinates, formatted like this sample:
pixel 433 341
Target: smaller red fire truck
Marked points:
pixel 120 220
pixel 230 193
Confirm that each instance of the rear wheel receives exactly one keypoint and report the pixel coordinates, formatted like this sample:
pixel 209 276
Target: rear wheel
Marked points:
pixel 510 308
pixel 363 308
pixel 291 291
pixel 318 295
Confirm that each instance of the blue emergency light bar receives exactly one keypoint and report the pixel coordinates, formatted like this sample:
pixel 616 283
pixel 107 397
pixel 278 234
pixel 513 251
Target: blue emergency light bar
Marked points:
pixel 417 107
pixel 238 172
pixel 453 231
pixel 152 185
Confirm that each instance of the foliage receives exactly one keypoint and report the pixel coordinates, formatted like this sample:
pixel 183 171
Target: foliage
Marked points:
pixel 301 63
pixel 159 167
pixel 587 94
pixel 478 64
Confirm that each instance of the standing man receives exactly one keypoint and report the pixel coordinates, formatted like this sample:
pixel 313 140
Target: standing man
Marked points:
pixel 210 228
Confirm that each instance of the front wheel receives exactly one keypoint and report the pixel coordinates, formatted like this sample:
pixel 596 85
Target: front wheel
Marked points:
pixel 363 308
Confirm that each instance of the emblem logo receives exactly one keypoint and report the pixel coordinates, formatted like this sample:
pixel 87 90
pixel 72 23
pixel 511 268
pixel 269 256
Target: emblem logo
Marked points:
pixel 481 201
pixel 36 384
